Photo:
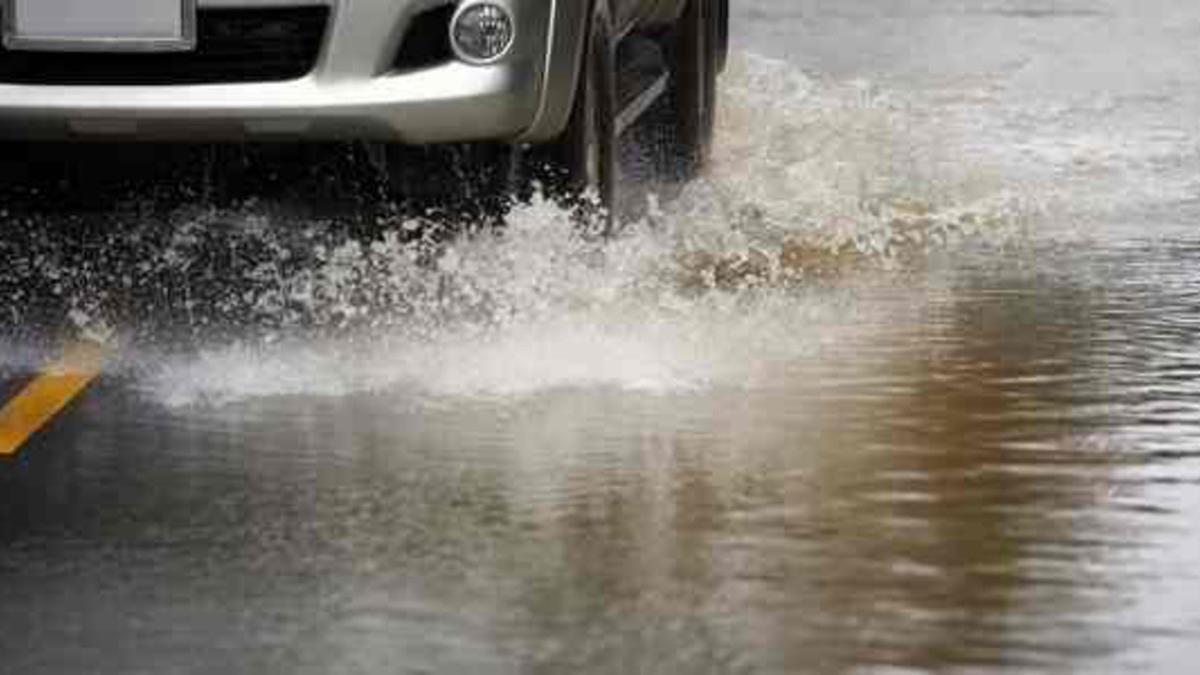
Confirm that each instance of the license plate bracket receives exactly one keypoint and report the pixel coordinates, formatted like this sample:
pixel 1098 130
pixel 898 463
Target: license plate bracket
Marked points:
pixel 99 26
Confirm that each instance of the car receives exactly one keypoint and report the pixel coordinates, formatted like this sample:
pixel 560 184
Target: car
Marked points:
pixel 560 81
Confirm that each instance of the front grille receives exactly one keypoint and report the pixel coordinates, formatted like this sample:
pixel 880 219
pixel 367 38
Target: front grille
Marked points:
pixel 232 45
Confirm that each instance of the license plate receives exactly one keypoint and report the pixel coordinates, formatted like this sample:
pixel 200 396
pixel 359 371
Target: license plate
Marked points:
pixel 100 25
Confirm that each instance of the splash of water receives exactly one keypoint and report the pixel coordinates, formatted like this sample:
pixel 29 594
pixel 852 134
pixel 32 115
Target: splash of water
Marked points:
pixel 811 181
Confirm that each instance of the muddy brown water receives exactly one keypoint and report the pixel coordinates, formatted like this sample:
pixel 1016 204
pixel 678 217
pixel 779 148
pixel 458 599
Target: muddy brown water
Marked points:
pixel 907 384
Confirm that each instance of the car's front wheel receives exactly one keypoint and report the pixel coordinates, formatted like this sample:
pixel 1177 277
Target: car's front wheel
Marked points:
pixel 588 152
pixel 661 83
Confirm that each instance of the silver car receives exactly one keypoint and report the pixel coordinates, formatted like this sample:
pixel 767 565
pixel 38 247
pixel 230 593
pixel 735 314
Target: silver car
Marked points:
pixel 567 77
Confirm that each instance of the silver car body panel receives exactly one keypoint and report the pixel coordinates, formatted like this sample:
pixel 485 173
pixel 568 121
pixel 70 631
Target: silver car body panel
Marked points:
pixel 350 94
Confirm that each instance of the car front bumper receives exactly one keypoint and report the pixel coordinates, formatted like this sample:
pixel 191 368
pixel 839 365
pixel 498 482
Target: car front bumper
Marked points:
pixel 352 93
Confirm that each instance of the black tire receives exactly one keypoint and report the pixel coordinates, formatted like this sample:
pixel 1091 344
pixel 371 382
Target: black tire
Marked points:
pixel 587 155
pixel 693 60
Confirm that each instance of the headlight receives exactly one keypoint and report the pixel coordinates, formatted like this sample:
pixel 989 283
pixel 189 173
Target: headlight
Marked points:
pixel 482 32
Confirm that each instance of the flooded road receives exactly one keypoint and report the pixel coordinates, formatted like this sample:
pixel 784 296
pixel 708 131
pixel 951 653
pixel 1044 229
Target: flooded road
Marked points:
pixel 906 384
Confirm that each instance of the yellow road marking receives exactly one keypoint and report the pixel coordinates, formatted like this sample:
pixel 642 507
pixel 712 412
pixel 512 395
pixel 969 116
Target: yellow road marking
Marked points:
pixel 45 397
